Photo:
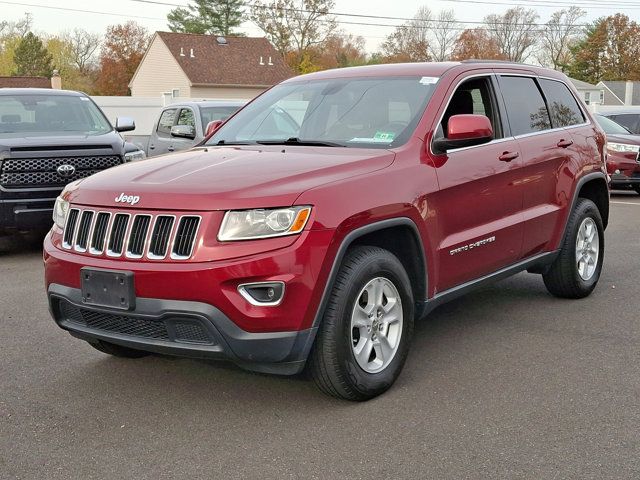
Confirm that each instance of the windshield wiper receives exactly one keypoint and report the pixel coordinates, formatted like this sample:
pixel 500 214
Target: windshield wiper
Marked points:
pixel 297 141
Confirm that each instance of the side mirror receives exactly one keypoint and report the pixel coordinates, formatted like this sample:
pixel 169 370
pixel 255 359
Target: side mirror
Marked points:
pixel 464 131
pixel 212 127
pixel 125 124
pixel 183 131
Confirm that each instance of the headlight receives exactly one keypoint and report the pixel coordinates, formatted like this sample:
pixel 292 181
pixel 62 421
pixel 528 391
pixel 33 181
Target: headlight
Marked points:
pixel 623 147
pixel 60 212
pixel 134 156
pixel 263 223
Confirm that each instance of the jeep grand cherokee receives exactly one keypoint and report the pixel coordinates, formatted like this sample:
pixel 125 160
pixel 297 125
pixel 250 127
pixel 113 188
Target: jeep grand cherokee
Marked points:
pixel 326 216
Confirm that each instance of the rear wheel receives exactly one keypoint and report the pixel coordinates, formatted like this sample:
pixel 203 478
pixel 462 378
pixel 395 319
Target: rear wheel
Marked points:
pixel 576 271
pixel 118 350
pixel 365 334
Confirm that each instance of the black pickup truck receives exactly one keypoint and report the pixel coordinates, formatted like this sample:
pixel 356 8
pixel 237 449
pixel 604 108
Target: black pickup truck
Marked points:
pixel 49 138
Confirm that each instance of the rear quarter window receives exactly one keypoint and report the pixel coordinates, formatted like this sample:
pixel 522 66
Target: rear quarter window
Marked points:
pixel 526 109
pixel 563 106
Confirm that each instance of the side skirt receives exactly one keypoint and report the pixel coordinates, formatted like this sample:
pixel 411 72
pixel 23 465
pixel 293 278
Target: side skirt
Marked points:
pixel 536 263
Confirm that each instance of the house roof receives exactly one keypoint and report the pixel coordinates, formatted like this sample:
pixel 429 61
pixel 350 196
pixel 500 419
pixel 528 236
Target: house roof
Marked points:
pixel 237 61
pixel 618 88
pixel 25 82
pixel 580 85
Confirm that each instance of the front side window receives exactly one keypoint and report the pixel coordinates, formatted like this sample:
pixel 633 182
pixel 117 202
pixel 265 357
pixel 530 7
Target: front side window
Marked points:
pixel 167 120
pixel 31 115
pixel 564 109
pixel 526 109
pixel 474 96
pixel 377 112
pixel 186 118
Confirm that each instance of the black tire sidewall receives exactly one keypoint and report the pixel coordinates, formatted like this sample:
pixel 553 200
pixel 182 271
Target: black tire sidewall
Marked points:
pixel 381 265
pixel 586 209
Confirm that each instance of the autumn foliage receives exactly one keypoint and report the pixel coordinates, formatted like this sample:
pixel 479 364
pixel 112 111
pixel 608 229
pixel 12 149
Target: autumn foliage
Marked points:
pixel 122 51
pixel 475 43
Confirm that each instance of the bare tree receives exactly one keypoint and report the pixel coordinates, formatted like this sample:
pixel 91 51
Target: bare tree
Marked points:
pixel 83 46
pixel 557 37
pixel 444 33
pixel 293 26
pixel 18 28
pixel 410 42
pixel 515 32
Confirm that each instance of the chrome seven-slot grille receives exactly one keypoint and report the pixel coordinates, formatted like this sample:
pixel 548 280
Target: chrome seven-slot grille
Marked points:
pixel 133 235
pixel 43 171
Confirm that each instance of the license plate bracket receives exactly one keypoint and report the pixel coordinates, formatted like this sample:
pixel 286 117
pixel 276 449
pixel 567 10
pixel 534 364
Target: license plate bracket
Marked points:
pixel 108 288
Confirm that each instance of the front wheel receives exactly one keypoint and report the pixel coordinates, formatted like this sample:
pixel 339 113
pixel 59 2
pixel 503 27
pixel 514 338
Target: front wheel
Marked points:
pixel 576 271
pixel 366 331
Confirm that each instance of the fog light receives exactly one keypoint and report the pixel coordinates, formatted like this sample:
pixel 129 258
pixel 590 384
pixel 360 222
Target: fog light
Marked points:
pixel 262 294
pixel 617 172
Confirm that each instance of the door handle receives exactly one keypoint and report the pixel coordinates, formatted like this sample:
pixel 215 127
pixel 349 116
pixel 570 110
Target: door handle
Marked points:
pixel 508 156
pixel 170 149
pixel 565 143
pixel 152 147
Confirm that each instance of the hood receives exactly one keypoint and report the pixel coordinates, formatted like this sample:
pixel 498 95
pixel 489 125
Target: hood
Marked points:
pixel 223 178
pixel 39 142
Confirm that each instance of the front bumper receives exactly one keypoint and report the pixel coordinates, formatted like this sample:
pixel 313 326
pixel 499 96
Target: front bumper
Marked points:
pixel 621 180
pixel 183 328
pixel 26 214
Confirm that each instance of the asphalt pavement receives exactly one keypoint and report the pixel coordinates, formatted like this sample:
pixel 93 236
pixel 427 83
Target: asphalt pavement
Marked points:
pixel 507 382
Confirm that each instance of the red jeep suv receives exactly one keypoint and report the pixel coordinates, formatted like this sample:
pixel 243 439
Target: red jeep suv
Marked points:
pixel 331 212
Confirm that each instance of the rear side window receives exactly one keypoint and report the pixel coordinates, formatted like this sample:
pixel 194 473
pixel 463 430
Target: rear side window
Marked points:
pixel 562 105
pixel 167 119
pixel 526 109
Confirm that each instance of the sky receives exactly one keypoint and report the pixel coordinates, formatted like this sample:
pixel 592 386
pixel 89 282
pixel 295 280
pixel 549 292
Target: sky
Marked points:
pixel 153 15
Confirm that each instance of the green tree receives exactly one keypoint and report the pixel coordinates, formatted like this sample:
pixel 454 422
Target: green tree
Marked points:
pixel 32 58
pixel 215 17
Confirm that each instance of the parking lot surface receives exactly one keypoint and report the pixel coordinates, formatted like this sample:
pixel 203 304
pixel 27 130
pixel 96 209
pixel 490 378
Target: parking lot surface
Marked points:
pixel 507 382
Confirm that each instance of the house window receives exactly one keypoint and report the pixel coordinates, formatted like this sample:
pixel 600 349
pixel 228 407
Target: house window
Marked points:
pixel 175 93
pixel 601 97
pixel 587 97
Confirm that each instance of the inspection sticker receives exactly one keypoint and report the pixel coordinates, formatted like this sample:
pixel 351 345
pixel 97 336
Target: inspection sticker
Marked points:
pixel 429 80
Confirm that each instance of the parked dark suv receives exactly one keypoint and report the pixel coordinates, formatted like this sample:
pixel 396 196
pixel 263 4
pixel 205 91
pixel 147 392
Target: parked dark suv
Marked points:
pixel 49 138
pixel 320 220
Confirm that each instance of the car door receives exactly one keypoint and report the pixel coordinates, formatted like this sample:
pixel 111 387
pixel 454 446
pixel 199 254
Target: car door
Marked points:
pixel 479 199
pixel 161 139
pixel 537 121
pixel 186 117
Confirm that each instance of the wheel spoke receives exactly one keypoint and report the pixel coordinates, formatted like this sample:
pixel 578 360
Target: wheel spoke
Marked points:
pixel 386 349
pixel 364 351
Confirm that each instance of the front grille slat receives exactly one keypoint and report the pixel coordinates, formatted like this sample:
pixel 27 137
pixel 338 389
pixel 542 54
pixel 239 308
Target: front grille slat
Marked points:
pixel 118 232
pixel 82 238
pixel 100 233
pixel 70 228
pixel 134 235
pixel 42 171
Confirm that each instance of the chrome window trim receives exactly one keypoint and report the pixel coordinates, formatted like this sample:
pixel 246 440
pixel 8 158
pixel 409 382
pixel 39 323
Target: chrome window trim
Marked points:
pixel 195 238
pixel 127 253
pixel 243 292
pixel 75 243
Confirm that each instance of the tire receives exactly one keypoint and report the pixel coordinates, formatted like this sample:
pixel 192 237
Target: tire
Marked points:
pixel 565 278
pixel 118 350
pixel 333 364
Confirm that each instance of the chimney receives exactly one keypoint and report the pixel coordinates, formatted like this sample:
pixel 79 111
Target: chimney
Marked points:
pixel 56 81
pixel 628 93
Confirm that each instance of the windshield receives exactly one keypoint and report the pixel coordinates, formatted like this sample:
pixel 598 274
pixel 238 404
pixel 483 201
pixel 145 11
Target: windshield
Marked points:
pixel 611 127
pixel 211 114
pixel 28 115
pixel 379 112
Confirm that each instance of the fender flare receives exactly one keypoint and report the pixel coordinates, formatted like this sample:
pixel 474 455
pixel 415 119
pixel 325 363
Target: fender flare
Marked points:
pixel 576 194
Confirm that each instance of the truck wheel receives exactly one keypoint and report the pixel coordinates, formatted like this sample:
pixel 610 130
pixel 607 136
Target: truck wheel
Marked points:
pixel 118 350
pixel 576 271
pixel 365 334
